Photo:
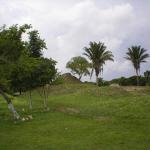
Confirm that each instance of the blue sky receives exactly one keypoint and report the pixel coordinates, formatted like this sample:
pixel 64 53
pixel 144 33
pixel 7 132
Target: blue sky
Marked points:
pixel 69 25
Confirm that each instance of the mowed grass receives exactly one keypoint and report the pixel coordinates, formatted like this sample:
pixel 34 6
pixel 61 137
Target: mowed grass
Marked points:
pixel 81 117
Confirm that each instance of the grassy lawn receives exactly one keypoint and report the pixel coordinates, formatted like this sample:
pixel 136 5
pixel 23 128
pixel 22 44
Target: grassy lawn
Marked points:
pixel 81 117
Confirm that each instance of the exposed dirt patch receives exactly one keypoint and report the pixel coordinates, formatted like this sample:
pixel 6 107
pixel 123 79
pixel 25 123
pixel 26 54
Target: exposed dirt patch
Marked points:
pixel 115 85
pixel 132 88
pixel 101 118
pixel 69 110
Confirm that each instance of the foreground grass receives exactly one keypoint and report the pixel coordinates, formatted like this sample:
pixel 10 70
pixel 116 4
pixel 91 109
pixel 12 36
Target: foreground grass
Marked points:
pixel 81 117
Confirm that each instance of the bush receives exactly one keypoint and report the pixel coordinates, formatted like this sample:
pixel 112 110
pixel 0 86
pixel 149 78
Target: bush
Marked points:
pixel 132 81
pixel 148 83
pixel 101 82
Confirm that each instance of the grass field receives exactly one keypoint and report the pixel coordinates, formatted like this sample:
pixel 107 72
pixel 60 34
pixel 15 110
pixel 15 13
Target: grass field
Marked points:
pixel 81 117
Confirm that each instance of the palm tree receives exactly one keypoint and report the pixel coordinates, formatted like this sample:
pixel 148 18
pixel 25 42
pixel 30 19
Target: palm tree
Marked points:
pixel 98 55
pixel 79 65
pixel 137 55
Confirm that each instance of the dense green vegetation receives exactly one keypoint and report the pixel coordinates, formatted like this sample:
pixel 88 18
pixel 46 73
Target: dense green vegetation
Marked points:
pixel 81 117
pixel 130 81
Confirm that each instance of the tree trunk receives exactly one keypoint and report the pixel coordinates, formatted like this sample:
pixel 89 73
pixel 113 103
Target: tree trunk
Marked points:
pixel 10 105
pixel 137 77
pixel 30 100
pixel 97 80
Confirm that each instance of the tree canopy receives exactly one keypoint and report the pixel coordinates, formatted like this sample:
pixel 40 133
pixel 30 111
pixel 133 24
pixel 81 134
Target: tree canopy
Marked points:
pixel 79 65
pixel 137 55
pixel 35 44
pixel 98 54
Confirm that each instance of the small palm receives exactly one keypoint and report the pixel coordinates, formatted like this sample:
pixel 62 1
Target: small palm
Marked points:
pixel 137 55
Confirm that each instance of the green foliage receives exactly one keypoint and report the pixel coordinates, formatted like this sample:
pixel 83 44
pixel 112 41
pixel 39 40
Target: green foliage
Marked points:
pixel 30 72
pixel 11 43
pixel 129 81
pixel 11 48
pixel 35 44
pixel 79 65
pixel 102 82
pixel 4 76
pixel 137 55
pixel 22 66
pixel 45 72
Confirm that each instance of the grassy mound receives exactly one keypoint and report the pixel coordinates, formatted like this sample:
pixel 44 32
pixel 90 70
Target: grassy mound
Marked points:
pixel 81 117
pixel 68 78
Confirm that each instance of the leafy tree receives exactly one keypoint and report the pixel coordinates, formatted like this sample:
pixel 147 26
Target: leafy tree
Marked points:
pixel 137 55
pixel 11 48
pixel 35 44
pixel 79 65
pixel 45 74
pixel 11 44
pixel 98 55
pixel 30 73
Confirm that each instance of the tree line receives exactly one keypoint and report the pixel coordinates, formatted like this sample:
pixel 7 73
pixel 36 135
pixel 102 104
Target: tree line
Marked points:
pixel 98 55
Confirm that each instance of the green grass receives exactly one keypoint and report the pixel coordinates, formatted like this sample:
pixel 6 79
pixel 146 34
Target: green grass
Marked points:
pixel 81 117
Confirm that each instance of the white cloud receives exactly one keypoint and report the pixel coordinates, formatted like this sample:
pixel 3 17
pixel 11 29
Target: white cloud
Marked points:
pixel 69 25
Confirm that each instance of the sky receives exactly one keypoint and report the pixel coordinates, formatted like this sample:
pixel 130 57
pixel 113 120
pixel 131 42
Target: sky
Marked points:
pixel 69 25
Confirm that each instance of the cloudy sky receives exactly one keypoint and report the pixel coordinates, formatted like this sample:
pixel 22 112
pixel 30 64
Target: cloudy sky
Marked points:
pixel 69 25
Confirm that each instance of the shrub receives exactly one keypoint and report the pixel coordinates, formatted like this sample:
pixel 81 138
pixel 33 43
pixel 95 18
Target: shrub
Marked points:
pixel 132 81
pixel 101 82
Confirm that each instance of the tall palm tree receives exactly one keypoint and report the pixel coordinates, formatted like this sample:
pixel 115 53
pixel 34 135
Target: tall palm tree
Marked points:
pixel 137 55
pixel 98 55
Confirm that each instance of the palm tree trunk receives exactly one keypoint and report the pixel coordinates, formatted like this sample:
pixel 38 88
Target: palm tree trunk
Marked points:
pixel 10 105
pixel 137 77
pixel 97 80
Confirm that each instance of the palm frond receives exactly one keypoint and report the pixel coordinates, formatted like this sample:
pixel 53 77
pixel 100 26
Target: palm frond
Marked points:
pixel 98 55
pixel 137 55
